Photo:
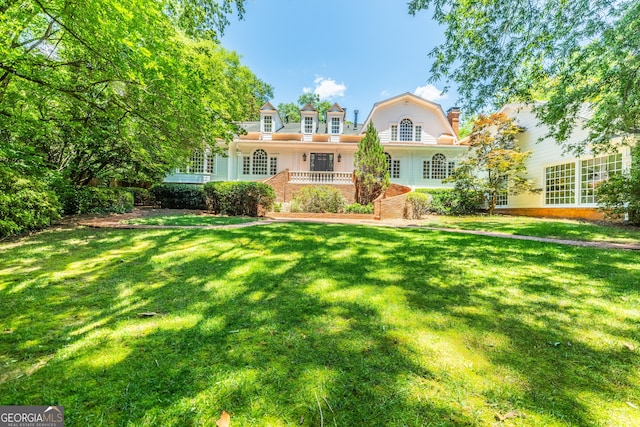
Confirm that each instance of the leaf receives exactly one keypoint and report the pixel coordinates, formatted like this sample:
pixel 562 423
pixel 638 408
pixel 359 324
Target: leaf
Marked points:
pixel 225 419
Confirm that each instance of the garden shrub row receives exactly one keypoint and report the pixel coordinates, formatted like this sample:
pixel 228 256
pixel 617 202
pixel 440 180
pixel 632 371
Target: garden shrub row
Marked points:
pixel 239 198
pixel 325 199
pixel 88 200
pixel 441 201
pixel 178 196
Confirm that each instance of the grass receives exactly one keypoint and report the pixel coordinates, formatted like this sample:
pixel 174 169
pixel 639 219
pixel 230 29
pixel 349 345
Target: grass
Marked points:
pixel 190 220
pixel 309 324
pixel 540 227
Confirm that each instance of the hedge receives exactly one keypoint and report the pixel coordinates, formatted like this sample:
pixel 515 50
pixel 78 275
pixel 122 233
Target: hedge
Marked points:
pixel 141 196
pixel 26 204
pixel 417 205
pixel 447 201
pixel 318 199
pixel 239 198
pixel 178 196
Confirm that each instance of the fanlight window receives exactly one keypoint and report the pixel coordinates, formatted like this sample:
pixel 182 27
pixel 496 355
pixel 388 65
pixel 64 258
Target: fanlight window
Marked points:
pixel 406 130
pixel 259 162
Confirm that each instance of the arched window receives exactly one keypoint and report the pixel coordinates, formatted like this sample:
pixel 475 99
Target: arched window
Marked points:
pixel 438 166
pixel 406 130
pixel 259 162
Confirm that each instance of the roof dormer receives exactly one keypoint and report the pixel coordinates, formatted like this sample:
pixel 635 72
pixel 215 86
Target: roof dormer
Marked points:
pixel 335 122
pixel 269 120
pixel 308 121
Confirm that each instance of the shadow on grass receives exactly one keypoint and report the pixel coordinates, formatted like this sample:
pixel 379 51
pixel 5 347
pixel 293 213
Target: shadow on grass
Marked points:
pixel 302 324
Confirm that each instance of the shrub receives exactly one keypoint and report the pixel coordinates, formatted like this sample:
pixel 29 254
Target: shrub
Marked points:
pixel 620 194
pixel 357 208
pixel 318 199
pixel 26 204
pixel 178 196
pixel 239 198
pixel 103 200
pixel 141 196
pixel 445 201
pixel 417 205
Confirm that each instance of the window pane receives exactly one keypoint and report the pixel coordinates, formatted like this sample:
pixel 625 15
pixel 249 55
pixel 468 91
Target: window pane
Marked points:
pixel 308 125
pixel 560 184
pixel 268 123
pixel 395 171
pixel 595 171
pixel 406 130
pixel 246 165
pixel 335 125
pixel 259 162
pixel 394 132
pixel 273 165
pixel 426 169
pixel 418 134
pixel 438 166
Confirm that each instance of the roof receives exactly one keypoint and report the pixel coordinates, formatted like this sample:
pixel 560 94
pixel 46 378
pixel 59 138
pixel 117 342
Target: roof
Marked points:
pixel 295 127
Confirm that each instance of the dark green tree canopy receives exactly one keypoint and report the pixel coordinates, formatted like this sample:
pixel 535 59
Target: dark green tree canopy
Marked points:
pixel 571 54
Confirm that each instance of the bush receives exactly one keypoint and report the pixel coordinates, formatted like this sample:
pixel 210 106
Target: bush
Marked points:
pixel 26 204
pixel 445 201
pixel 417 205
pixel 239 198
pixel 318 199
pixel 141 196
pixel 103 200
pixel 619 196
pixel 178 196
pixel 357 208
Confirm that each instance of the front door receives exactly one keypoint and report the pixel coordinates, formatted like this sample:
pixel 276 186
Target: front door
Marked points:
pixel 322 162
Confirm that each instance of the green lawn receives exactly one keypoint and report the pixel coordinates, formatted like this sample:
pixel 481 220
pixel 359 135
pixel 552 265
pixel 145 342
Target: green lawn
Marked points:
pixel 540 227
pixel 190 220
pixel 310 324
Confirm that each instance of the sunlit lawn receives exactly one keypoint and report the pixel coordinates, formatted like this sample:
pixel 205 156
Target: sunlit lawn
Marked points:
pixel 308 324
pixel 540 227
pixel 190 220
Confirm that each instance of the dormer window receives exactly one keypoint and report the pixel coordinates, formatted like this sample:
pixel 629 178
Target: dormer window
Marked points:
pixel 308 125
pixel 268 124
pixel 335 125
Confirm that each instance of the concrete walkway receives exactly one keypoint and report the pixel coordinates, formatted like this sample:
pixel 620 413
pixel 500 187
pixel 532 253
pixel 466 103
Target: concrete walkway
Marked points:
pixel 115 221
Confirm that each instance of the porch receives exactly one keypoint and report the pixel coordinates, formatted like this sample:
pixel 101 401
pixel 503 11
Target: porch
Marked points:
pixel 320 177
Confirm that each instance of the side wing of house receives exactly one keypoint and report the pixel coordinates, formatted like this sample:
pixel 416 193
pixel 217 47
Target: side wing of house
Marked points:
pixel 567 182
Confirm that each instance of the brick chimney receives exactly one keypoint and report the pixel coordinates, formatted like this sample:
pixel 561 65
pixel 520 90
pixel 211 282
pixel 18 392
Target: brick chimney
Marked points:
pixel 453 115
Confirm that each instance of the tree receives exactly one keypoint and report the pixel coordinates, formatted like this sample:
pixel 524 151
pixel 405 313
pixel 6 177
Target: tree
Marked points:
pixel 494 165
pixel 122 89
pixel 572 53
pixel 290 111
pixel 371 169
pixel 619 195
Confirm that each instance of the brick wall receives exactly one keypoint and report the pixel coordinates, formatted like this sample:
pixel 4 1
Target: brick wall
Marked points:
pixel 391 204
pixel 279 184
pixel 571 213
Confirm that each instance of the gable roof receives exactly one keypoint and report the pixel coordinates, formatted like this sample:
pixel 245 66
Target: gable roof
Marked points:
pixel 309 107
pixel 267 107
pixel 408 96
pixel 335 108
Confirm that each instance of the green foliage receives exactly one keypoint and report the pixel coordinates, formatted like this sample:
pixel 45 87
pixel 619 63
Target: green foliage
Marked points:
pixel 318 199
pixel 239 198
pixel 178 196
pixel 116 89
pixel 371 169
pixel 417 205
pixel 25 204
pixel 569 53
pixel 619 195
pixel 290 110
pixel 357 208
pixel 494 164
pixel 451 201
pixel 103 200
pixel 141 196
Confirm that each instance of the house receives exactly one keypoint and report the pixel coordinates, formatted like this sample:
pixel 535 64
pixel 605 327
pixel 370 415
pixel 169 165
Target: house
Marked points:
pixel 422 145
pixel 420 140
pixel 567 182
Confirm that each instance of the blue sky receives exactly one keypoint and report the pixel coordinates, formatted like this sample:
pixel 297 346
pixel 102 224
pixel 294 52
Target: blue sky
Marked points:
pixel 351 52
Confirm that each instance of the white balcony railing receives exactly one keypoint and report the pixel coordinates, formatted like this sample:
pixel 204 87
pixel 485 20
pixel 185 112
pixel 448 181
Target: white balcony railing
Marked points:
pixel 309 177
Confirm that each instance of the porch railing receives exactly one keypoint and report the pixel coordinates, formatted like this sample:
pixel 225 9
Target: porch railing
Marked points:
pixel 316 177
